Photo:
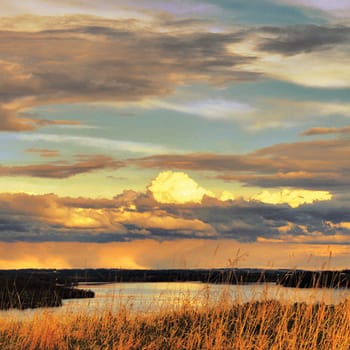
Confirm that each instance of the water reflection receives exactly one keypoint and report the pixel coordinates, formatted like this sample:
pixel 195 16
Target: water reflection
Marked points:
pixel 152 297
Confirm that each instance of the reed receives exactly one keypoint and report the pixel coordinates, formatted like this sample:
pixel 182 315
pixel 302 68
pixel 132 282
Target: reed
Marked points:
pixel 222 325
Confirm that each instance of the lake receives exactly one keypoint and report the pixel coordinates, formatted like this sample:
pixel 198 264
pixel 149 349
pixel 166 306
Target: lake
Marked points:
pixel 152 297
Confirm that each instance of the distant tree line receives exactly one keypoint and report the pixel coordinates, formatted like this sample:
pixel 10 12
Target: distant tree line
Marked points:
pixel 288 278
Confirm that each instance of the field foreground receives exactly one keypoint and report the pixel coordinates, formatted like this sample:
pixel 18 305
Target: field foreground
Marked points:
pixel 255 325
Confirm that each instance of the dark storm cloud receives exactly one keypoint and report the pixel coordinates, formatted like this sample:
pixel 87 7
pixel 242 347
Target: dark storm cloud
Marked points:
pixel 248 220
pixel 302 39
pixel 38 218
pixel 7 225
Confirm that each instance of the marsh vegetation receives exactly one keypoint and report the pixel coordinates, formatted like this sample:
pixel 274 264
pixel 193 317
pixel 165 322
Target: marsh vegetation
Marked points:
pixel 254 325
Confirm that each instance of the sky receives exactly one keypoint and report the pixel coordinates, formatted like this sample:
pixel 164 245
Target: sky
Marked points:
pixel 177 134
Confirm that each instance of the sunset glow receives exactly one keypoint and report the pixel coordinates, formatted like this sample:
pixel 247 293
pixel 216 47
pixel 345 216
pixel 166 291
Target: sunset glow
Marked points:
pixel 154 134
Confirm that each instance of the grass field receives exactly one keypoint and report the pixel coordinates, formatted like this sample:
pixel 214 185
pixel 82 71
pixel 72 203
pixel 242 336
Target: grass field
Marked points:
pixel 255 325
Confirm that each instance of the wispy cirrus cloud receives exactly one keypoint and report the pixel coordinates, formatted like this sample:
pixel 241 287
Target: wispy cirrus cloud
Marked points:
pixel 98 142
pixel 213 109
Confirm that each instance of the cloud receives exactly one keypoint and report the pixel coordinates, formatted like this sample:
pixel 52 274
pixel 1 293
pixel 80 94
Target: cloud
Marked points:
pixel 289 113
pixel 213 109
pixel 62 170
pixel 342 225
pixel 103 63
pixel 294 198
pixel 17 120
pixel 326 131
pixel 99 142
pixel 133 216
pixel 313 69
pixel 206 161
pixel 176 187
pixel 302 39
pixel 320 181
pixel 297 54
pixel 160 224
pixel 315 238
pixel 314 165
pixel 110 9
pixel 48 218
pixel 226 196
pixel 99 60
pixel 51 218
pixel 9 121
pixel 43 152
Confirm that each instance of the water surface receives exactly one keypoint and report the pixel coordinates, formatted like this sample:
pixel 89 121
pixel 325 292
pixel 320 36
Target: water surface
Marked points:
pixel 156 296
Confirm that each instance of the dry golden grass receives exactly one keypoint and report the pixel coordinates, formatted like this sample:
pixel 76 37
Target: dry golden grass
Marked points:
pixel 255 325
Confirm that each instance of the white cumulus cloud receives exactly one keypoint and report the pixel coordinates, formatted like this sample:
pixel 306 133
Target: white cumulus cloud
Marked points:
pixel 177 188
